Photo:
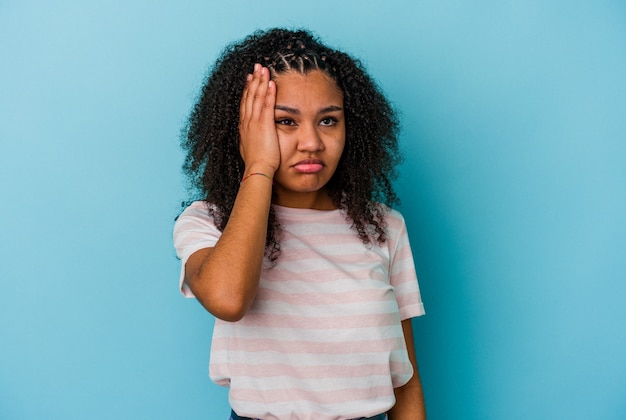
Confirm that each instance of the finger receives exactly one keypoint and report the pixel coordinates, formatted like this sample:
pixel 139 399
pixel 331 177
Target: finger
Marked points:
pixel 245 106
pixel 260 93
pixel 244 96
pixel 270 102
pixel 252 92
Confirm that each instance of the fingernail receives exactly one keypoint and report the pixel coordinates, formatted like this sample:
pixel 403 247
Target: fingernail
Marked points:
pixel 257 67
pixel 248 78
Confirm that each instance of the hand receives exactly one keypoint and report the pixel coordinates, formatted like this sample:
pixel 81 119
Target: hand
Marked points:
pixel 257 129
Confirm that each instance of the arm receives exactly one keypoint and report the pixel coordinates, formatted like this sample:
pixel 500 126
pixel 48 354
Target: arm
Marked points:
pixel 409 397
pixel 225 278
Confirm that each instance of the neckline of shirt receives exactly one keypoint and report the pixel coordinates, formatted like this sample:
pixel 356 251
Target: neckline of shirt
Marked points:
pixel 308 213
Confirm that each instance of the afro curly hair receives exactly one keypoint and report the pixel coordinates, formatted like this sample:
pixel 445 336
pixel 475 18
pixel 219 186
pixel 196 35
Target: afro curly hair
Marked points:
pixel 362 183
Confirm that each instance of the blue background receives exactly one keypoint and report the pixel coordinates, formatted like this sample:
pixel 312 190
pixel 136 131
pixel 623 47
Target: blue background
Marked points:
pixel 513 189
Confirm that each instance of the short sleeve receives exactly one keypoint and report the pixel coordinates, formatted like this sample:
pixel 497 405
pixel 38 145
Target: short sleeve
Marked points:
pixel 194 230
pixel 403 276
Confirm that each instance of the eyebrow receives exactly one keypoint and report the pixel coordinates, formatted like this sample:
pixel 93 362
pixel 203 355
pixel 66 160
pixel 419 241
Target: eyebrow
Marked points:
pixel 331 108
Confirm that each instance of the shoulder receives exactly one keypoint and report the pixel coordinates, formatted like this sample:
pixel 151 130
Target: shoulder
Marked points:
pixel 393 218
pixel 197 213
pixel 194 229
pixel 195 208
pixel 395 227
pixel 393 214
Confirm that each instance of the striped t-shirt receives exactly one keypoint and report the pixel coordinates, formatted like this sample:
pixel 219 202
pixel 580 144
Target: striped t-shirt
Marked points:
pixel 323 339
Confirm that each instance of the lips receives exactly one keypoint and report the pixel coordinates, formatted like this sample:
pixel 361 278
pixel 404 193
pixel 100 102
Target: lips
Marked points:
pixel 309 166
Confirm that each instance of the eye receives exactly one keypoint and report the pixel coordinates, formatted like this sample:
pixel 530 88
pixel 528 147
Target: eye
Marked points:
pixel 328 121
pixel 285 121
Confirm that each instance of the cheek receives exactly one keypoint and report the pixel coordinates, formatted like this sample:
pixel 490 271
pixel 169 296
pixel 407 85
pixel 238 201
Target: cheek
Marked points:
pixel 283 144
pixel 340 143
pixel 287 146
pixel 338 147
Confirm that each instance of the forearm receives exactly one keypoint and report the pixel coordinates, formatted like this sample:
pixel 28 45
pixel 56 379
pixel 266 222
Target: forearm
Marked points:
pixel 409 397
pixel 226 280
pixel 409 403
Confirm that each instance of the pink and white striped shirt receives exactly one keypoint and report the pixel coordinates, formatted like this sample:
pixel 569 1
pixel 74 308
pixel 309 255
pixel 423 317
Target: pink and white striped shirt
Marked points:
pixel 323 339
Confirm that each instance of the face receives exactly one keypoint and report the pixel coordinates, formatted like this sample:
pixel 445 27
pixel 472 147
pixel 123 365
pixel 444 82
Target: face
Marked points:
pixel 311 134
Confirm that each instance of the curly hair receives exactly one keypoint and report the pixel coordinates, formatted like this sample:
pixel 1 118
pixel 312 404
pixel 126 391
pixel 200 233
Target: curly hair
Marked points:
pixel 362 183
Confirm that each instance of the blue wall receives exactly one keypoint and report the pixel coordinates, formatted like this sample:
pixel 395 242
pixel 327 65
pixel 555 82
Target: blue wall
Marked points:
pixel 513 189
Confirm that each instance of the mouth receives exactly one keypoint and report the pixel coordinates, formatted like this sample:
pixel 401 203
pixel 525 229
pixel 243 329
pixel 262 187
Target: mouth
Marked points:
pixel 309 166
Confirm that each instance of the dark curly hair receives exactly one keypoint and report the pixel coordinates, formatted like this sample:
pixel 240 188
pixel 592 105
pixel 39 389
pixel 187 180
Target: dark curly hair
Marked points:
pixel 362 184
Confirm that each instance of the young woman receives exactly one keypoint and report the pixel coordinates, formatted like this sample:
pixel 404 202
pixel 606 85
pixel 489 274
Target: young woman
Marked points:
pixel 294 247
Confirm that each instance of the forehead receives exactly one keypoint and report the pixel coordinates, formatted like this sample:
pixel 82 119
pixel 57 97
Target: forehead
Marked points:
pixel 312 88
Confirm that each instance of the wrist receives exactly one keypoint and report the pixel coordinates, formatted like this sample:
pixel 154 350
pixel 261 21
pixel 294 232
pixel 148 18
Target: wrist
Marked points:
pixel 258 174
pixel 264 169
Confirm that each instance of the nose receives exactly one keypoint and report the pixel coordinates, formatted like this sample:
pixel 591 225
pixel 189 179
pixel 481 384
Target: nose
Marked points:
pixel 309 138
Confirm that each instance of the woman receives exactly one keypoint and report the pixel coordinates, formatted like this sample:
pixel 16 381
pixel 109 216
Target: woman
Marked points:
pixel 294 247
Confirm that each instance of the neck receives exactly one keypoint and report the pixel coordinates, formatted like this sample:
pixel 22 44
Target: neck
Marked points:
pixel 315 200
